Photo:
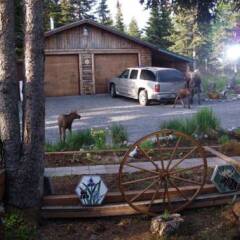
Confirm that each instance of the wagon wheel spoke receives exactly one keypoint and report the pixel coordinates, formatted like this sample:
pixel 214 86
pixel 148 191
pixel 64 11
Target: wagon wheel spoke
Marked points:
pixel 183 158
pixel 142 169
pixel 174 152
pixel 185 180
pixel 140 180
pixel 178 190
pixel 186 169
pixel 160 148
pixel 148 157
pixel 142 192
pixel 154 196
pixel 168 196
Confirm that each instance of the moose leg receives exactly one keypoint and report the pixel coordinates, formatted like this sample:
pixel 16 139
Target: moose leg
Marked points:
pixel 175 102
pixel 64 134
pixel 60 133
pixel 183 101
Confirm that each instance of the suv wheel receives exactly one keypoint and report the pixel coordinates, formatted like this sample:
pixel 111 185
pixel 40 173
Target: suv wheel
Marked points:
pixel 143 98
pixel 113 91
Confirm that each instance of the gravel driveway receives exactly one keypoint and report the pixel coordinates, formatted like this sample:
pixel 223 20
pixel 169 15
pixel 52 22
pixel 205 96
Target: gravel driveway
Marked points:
pixel 101 111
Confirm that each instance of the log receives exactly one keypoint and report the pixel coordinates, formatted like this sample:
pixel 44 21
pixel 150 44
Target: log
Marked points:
pixel 222 156
pixel 208 200
pixel 116 197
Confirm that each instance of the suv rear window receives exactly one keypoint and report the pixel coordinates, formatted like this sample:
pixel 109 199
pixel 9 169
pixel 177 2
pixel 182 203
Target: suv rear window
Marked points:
pixel 147 75
pixel 170 76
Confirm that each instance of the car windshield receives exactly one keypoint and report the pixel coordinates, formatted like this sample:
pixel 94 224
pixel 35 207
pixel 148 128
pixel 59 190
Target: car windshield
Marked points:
pixel 170 76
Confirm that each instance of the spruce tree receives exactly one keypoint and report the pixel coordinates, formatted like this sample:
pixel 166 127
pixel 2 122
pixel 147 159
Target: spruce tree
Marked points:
pixel 119 24
pixel 52 10
pixel 82 9
pixel 133 29
pixel 66 12
pixel 159 27
pixel 103 13
pixel 186 36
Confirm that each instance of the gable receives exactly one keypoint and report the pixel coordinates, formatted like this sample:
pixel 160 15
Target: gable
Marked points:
pixel 97 38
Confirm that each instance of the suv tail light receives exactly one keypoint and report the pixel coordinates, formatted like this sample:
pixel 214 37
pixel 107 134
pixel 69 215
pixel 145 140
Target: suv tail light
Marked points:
pixel 157 88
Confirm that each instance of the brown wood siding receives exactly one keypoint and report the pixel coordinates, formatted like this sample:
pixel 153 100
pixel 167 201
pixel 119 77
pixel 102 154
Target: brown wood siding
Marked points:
pixel 96 39
pixel 108 66
pixel 62 75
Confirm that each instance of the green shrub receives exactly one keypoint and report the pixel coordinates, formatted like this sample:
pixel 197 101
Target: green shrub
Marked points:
pixel 148 144
pixel 16 227
pixel 203 122
pixel 223 139
pixel 75 141
pixel 174 124
pixel 119 134
pixel 220 81
pixel 99 137
pixel 206 121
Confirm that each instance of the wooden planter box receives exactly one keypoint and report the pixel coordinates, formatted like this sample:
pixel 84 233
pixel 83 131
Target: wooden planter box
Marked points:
pixel 2 184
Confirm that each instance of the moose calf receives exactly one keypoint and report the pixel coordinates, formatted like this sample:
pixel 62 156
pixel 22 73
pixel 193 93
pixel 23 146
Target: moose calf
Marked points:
pixel 65 122
pixel 184 93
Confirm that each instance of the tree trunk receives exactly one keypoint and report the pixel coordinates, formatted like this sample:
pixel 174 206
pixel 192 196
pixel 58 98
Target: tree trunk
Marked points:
pixel 9 116
pixel 34 106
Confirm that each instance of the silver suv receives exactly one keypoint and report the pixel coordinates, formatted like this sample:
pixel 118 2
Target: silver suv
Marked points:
pixel 148 83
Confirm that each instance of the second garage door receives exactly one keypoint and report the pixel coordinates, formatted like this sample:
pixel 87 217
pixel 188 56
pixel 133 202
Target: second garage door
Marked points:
pixel 108 66
pixel 62 75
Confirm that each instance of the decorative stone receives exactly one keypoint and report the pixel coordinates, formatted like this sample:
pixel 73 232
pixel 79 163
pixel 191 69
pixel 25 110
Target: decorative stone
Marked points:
pixel 164 227
pixel 91 190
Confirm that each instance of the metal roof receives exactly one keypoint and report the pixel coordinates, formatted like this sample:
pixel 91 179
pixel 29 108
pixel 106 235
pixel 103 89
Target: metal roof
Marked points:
pixel 121 34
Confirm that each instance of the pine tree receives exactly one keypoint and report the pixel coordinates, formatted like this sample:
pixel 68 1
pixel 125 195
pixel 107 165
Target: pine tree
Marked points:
pixel 186 36
pixel 133 29
pixel 52 10
pixel 66 12
pixel 159 27
pixel 82 9
pixel 119 24
pixel 221 34
pixel 103 13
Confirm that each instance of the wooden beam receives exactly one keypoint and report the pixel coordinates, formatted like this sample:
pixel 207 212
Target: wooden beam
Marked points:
pixel 116 197
pixel 222 156
pixel 122 209
pixel 95 51
pixel 115 150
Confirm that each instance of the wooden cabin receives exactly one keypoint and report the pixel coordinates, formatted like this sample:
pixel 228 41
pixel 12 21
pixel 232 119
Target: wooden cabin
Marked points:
pixel 80 58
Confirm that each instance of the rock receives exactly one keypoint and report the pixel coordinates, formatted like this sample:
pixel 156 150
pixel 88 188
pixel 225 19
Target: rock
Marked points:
pixel 162 227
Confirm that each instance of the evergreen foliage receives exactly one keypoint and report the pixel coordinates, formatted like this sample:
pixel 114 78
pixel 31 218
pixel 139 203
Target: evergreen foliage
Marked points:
pixel 82 9
pixel 133 29
pixel 119 23
pixel 103 13
pixel 159 27
pixel 186 36
pixel 66 12
pixel 52 9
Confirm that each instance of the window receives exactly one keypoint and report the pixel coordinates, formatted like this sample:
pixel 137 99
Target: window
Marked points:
pixel 134 74
pixel 170 76
pixel 147 75
pixel 124 74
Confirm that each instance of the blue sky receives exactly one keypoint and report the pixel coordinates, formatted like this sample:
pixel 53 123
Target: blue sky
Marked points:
pixel 130 8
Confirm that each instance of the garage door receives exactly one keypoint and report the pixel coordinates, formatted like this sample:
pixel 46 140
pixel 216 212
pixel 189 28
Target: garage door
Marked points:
pixel 62 75
pixel 108 66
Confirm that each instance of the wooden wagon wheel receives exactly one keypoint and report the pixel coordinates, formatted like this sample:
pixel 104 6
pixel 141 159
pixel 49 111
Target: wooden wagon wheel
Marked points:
pixel 157 170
